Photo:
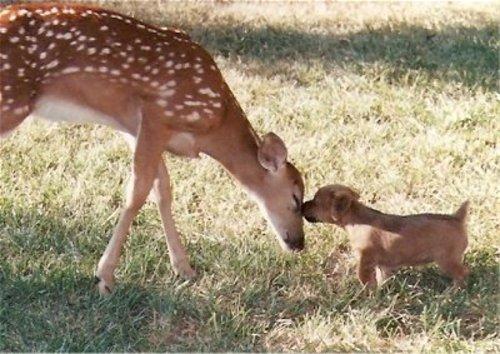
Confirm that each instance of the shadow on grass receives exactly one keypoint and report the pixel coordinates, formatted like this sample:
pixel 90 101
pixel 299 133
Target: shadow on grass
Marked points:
pixel 49 303
pixel 48 300
pixel 61 311
pixel 456 53
pixel 429 296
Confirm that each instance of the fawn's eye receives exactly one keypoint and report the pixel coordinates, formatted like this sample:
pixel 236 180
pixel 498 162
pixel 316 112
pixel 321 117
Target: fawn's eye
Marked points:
pixel 297 203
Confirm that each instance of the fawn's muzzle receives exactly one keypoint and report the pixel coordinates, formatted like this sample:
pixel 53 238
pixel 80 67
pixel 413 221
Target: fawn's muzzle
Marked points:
pixel 295 243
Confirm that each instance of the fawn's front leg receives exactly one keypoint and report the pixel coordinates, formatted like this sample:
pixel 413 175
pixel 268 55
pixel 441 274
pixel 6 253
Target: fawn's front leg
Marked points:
pixel 147 157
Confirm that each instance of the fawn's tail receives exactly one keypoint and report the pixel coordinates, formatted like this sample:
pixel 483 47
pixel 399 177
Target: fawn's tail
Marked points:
pixel 462 212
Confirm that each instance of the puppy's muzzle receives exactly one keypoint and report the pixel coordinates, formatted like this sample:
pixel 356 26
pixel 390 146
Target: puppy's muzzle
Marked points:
pixel 311 218
pixel 308 213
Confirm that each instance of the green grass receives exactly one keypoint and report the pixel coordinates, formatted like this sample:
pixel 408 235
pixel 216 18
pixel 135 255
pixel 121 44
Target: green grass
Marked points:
pixel 397 100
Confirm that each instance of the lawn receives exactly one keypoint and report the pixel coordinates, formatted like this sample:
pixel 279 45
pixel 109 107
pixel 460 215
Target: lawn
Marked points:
pixel 400 101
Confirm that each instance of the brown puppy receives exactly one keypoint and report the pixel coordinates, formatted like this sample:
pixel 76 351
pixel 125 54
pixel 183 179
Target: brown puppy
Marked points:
pixel 386 242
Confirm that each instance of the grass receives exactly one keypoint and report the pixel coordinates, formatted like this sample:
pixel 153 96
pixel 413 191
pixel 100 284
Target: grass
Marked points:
pixel 397 100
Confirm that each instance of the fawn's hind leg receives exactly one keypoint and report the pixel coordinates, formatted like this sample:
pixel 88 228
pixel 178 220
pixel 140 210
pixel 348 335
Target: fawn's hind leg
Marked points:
pixel 10 118
pixel 16 98
pixel 161 193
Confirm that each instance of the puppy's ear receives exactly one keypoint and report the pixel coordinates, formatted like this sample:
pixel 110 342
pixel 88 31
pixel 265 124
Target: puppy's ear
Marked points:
pixel 342 201
pixel 354 194
pixel 272 152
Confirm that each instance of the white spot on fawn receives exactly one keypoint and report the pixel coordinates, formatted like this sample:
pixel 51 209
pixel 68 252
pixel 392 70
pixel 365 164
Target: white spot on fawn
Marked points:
pixel 194 103
pixel 193 117
pixel 23 12
pixel 53 64
pixel 166 93
pixel 70 70
pixel 32 48
pixel 161 102
pixel 21 110
pixel 207 91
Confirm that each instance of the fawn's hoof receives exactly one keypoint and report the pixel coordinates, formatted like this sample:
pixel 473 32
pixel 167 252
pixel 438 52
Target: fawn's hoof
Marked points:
pixel 184 270
pixel 105 287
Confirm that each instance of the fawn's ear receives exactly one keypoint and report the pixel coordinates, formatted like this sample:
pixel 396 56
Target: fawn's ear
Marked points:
pixel 272 152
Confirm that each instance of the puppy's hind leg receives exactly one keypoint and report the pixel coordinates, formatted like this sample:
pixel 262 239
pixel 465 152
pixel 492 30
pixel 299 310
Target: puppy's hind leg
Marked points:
pixel 384 273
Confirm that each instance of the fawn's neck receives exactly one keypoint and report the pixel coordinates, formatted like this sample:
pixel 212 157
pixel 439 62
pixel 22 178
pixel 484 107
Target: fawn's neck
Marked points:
pixel 235 145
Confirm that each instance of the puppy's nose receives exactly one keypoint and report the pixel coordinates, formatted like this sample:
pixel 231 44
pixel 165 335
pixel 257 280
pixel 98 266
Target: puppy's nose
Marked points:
pixel 310 218
pixel 306 207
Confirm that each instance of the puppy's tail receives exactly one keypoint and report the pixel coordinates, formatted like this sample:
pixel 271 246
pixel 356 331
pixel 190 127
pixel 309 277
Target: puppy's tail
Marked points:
pixel 462 212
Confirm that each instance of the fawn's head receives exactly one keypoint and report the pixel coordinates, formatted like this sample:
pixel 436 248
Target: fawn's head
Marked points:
pixel 280 193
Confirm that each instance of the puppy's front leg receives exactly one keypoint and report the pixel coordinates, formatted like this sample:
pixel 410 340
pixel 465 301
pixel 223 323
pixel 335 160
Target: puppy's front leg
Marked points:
pixel 366 268
pixel 383 273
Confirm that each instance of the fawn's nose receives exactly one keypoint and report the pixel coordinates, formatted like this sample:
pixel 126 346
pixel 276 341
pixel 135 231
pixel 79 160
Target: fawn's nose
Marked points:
pixel 295 243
